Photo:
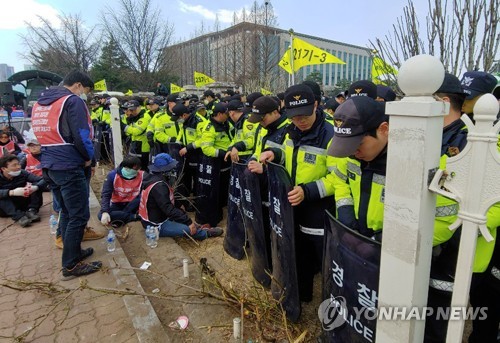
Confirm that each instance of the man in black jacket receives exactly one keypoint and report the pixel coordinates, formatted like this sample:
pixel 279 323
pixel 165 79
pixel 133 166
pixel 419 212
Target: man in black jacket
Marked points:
pixel 157 204
pixel 20 192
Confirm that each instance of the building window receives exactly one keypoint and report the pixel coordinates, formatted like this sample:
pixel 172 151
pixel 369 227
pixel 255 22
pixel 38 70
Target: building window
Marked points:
pixel 356 72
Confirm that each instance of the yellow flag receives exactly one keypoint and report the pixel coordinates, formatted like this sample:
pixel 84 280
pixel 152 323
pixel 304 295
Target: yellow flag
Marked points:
pixel 129 92
pixel 265 91
pixel 101 86
pixel 175 89
pixel 201 79
pixel 381 68
pixel 305 54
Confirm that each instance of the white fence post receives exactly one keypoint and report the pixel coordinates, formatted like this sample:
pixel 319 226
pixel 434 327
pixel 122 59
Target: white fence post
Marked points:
pixel 415 131
pixel 472 180
pixel 116 132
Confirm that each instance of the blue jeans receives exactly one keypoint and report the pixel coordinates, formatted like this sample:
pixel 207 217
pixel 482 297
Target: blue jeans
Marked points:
pixel 173 229
pixel 71 191
pixel 122 211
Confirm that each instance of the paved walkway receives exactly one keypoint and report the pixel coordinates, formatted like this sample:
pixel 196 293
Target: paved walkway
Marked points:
pixel 78 314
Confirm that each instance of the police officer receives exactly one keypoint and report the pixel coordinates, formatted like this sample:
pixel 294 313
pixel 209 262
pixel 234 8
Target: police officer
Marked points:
pixel 243 142
pixel 166 130
pixel 214 142
pixel 209 100
pixel 310 169
pixel 137 120
pixel 189 136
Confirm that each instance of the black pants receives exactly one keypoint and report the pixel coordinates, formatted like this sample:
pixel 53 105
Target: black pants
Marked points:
pixel 436 329
pixel 186 185
pixel 486 294
pixel 15 207
pixel 309 255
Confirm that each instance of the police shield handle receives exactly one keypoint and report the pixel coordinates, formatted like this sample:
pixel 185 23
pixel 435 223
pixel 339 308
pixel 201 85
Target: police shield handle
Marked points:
pixel 255 167
pixel 266 156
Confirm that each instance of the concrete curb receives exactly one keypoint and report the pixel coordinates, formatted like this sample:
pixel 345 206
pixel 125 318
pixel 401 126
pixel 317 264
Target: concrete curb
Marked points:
pixel 142 314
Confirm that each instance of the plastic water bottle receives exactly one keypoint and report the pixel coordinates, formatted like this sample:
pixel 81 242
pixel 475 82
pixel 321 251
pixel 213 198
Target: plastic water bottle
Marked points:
pixel 53 224
pixel 111 239
pixel 154 237
pixel 148 235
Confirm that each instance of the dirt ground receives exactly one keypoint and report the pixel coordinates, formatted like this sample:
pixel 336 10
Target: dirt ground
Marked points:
pixel 234 276
pixel 261 325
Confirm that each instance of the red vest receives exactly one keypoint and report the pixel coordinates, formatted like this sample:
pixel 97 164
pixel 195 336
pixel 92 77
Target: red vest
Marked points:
pixel 126 190
pixel 33 165
pixel 7 148
pixel 45 122
pixel 143 205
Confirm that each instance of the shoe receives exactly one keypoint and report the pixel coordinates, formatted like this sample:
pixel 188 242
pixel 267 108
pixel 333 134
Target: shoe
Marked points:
pixel 80 269
pixel 59 242
pixel 90 235
pixel 32 214
pixel 24 221
pixel 213 231
pixel 85 253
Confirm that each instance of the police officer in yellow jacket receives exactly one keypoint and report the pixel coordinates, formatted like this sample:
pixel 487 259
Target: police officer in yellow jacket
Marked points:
pixel 243 142
pixel 189 136
pixel 136 123
pixel 310 168
pixel 214 142
pixel 361 132
pixel 166 130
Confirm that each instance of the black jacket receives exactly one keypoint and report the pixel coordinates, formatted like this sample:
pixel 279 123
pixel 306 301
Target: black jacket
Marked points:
pixel 19 181
pixel 158 204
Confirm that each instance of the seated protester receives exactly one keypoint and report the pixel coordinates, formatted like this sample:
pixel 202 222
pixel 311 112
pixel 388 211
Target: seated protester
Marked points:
pixel 20 192
pixel 16 135
pixel 32 161
pixel 7 145
pixel 157 204
pixel 120 193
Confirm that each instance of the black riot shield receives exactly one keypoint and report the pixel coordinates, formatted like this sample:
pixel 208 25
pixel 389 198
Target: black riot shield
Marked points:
pixel 284 285
pixel 350 284
pixel 234 241
pixel 253 219
pixel 207 190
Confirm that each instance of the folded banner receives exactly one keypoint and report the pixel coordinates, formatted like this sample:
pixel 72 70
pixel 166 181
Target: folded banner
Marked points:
pixel 351 264
pixel 284 285
pixel 201 79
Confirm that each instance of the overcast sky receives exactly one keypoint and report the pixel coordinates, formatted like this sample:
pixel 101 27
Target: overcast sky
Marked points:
pixel 354 22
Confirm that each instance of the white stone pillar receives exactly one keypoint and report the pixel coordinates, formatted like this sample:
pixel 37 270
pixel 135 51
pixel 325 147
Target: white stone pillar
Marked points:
pixel 415 131
pixel 472 180
pixel 116 132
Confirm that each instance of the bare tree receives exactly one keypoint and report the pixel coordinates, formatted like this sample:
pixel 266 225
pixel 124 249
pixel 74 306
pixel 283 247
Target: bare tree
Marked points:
pixel 462 33
pixel 142 34
pixel 59 49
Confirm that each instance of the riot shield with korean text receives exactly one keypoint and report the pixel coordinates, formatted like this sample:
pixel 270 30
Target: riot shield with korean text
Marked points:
pixel 351 264
pixel 284 285
pixel 235 238
pixel 207 190
pixel 253 219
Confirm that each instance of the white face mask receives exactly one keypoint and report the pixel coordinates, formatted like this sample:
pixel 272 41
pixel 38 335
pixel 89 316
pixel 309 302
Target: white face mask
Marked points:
pixel 180 121
pixel 83 96
pixel 15 173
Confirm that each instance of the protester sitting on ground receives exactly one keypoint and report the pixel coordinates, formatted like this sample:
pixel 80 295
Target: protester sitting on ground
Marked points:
pixel 157 204
pixel 20 192
pixel 7 145
pixel 120 193
pixel 32 162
